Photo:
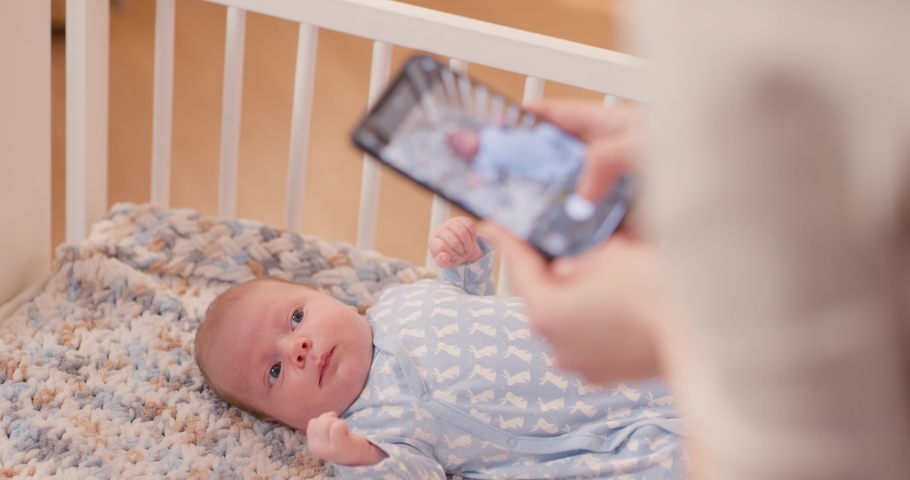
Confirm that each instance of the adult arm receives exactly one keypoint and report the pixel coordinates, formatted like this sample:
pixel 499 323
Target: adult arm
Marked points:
pixel 779 181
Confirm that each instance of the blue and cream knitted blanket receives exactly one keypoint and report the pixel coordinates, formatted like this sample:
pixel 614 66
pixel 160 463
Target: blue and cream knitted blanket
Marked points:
pixel 97 377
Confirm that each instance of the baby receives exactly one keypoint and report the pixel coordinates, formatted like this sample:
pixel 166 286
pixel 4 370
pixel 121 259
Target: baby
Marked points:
pixel 542 153
pixel 440 377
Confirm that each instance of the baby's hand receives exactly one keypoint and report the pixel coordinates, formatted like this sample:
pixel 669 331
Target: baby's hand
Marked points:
pixel 329 439
pixel 454 243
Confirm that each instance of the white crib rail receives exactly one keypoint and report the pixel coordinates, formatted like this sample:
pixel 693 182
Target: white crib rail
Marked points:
pixel 466 39
pixel 389 23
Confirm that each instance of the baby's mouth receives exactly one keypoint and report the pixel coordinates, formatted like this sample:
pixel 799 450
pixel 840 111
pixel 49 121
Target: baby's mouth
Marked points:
pixel 324 364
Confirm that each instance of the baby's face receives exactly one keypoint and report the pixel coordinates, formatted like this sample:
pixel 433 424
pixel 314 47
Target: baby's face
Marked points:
pixel 465 143
pixel 291 352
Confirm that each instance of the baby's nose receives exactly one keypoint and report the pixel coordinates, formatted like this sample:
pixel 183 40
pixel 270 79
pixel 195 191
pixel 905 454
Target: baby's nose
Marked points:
pixel 299 349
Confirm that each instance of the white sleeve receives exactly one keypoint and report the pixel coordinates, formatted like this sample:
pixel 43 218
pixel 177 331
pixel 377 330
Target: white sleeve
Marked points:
pixel 780 162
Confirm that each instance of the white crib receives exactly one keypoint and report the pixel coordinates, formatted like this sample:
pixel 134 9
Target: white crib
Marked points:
pixel 25 123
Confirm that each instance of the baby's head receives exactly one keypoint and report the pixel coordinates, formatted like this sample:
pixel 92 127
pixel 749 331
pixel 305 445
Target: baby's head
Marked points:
pixel 465 142
pixel 283 351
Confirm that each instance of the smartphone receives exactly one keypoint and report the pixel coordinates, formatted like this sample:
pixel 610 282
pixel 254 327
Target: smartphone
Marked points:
pixel 482 152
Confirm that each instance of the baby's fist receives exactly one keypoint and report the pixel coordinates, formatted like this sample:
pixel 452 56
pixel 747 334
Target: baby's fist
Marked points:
pixel 329 439
pixel 454 243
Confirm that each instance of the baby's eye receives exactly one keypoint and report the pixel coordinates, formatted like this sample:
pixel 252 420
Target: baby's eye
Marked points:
pixel 274 373
pixel 296 318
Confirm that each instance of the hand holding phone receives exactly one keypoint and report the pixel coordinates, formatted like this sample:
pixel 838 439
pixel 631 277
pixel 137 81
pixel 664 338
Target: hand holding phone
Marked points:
pixel 484 153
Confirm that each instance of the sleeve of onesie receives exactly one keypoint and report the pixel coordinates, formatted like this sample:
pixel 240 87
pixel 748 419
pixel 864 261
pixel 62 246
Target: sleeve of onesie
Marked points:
pixel 403 462
pixel 475 278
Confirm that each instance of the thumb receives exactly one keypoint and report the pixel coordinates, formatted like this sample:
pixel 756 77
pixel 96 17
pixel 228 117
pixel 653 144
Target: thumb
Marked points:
pixel 605 162
pixel 528 270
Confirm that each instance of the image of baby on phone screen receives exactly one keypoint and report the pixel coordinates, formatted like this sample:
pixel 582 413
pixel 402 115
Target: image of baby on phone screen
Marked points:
pixel 440 377
pixel 542 153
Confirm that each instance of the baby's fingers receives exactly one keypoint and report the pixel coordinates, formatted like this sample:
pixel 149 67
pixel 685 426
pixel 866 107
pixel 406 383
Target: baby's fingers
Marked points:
pixel 318 428
pixel 339 435
pixel 438 244
pixel 452 240
pixel 464 230
pixel 442 250
pixel 444 260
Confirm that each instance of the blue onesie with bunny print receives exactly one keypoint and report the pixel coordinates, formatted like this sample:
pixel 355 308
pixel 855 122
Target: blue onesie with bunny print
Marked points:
pixel 459 384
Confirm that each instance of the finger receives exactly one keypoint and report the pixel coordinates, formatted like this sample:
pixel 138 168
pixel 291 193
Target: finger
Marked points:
pixel 468 224
pixel 528 271
pixel 605 161
pixel 443 260
pixel 317 436
pixel 453 243
pixel 329 414
pixel 566 267
pixel 339 432
pixel 584 119
pixel 569 268
pixel 465 231
pixel 440 249
pixel 436 244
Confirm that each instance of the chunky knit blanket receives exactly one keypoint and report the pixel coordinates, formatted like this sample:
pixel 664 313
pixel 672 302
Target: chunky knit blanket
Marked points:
pixel 97 377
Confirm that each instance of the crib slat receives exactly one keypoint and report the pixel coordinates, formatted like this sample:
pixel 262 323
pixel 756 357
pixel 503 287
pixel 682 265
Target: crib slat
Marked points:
pixel 441 209
pixel 162 114
pixel 369 181
pixel 87 48
pixel 533 92
pixel 439 213
pixel 533 89
pixel 304 79
pixel 230 111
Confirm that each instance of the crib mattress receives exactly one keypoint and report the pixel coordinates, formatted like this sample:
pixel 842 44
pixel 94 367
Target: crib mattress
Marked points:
pixel 97 377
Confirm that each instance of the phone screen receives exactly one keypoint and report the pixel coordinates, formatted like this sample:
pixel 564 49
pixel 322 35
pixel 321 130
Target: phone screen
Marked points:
pixel 482 152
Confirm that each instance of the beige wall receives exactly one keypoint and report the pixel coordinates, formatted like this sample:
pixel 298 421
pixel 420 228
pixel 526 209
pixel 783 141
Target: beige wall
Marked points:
pixel 25 129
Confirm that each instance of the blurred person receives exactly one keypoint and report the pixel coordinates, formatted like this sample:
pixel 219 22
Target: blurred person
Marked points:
pixel 776 171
